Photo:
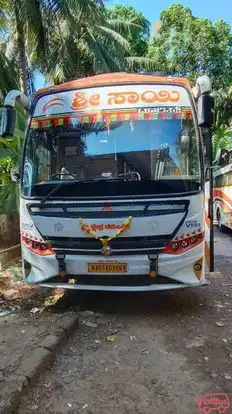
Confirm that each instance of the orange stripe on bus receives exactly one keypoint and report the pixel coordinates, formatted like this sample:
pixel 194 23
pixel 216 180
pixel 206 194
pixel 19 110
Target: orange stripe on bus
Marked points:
pixel 224 206
pixel 221 194
pixel 207 220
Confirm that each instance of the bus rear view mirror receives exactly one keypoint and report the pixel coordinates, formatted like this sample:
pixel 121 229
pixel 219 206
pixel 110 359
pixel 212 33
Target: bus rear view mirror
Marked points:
pixel 205 107
pixel 8 121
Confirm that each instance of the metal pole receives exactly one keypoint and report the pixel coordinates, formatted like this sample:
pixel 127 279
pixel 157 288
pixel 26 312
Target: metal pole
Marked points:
pixel 210 208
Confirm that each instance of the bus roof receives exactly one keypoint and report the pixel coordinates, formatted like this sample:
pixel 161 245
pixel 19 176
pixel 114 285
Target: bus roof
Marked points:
pixel 114 79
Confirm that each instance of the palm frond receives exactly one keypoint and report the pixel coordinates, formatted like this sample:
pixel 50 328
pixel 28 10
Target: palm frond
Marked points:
pixel 8 74
pixel 122 27
pixel 99 54
pixel 36 24
pixel 140 63
pixel 115 37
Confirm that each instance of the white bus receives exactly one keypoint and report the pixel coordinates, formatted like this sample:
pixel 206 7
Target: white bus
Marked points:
pixel 223 190
pixel 112 183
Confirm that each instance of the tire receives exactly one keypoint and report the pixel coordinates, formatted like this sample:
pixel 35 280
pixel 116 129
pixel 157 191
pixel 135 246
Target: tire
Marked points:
pixel 221 226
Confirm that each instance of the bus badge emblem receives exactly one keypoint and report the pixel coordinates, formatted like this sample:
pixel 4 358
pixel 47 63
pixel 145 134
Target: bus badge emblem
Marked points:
pixel 106 251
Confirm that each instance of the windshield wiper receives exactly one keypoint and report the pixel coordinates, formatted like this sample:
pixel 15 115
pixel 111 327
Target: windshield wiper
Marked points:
pixel 64 183
pixel 58 186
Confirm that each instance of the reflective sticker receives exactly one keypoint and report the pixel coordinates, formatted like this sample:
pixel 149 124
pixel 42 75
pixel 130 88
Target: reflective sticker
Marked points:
pixel 107 117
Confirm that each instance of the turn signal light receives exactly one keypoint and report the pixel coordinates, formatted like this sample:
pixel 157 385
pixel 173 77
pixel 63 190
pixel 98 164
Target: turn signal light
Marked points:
pixel 181 245
pixel 37 246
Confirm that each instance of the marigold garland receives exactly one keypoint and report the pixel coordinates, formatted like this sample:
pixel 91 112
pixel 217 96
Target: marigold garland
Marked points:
pixel 86 228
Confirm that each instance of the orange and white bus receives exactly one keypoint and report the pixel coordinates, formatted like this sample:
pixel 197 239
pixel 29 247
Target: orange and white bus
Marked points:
pixel 223 190
pixel 113 183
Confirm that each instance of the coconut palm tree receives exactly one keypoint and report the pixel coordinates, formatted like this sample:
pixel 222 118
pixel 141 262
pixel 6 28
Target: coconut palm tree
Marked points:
pixel 66 38
pixel 23 27
pixel 8 74
pixel 83 41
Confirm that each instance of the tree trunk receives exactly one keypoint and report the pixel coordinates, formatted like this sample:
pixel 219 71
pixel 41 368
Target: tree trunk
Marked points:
pixel 22 71
pixel 22 58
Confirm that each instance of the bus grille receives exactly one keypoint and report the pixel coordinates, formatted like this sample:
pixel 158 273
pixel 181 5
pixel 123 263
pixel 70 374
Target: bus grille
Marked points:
pixel 120 246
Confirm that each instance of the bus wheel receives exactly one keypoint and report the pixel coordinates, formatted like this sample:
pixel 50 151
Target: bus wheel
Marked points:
pixel 221 227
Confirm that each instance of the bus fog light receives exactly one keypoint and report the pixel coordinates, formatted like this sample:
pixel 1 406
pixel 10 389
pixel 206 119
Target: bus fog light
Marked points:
pixel 198 267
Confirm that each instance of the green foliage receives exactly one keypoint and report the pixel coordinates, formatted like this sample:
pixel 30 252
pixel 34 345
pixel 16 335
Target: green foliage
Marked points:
pixel 10 151
pixel 8 73
pixel 222 138
pixel 67 39
pixel 138 38
pixel 223 106
pixel 23 28
pixel 189 46
pixel 85 40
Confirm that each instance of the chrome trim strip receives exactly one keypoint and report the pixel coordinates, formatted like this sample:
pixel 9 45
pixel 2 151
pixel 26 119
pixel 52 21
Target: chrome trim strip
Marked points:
pixel 116 250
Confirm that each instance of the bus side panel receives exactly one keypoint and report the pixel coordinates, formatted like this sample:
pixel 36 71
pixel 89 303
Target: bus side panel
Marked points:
pixel 223 196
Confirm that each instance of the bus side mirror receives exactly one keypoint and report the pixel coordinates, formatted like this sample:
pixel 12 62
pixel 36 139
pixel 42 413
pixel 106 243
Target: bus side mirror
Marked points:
pixel 8 122
pixel 205 106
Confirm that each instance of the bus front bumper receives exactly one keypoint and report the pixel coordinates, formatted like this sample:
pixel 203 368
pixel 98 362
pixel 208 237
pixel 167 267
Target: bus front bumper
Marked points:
pixel 173 272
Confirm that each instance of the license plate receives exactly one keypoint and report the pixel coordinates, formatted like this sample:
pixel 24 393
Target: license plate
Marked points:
pixel 107 267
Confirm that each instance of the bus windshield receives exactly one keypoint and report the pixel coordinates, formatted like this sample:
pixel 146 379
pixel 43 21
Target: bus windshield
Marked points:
pixel 131 150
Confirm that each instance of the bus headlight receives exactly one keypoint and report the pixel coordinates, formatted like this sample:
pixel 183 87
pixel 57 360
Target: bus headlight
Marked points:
pixel 183 243
pixel 39 247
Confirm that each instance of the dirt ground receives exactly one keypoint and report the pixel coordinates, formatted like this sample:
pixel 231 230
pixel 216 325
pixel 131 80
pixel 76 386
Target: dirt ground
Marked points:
pixel 25 320
pixel 164 350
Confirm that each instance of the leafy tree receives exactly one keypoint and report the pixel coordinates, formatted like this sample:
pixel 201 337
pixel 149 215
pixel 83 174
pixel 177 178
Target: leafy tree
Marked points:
pixel 188 46
pixel 138 40
pixel 10 150
pixel 223 106
pixel 10 153
pixel 222 138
